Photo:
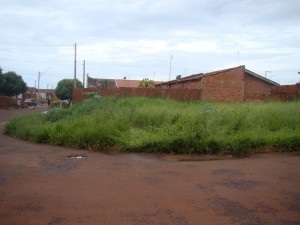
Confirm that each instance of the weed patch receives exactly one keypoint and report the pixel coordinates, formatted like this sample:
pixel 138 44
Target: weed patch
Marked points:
pixel 166 126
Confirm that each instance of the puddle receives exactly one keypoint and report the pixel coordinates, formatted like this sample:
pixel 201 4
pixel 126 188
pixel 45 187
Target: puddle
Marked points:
pixel 141 157
pixel 156 157
pixel 144 157
pixel 77 156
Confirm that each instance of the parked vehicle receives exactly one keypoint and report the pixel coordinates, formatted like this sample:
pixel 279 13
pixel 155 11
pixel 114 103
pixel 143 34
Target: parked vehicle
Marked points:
pixel 30 102
pixel 27 101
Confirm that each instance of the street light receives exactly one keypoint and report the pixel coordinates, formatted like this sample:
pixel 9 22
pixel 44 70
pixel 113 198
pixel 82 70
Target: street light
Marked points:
pixel 39 77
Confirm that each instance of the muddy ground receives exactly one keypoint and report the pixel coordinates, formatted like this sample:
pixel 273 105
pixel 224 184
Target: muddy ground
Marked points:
pixel 43 185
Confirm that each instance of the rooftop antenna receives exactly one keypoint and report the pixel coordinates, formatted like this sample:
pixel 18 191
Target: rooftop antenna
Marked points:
pixel 267 71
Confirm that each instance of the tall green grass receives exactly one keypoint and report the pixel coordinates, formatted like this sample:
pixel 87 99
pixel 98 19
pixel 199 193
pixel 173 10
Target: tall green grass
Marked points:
pixel 167 126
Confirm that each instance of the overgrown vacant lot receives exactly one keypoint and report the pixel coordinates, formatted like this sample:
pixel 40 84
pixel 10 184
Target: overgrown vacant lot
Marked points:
pixel 157 125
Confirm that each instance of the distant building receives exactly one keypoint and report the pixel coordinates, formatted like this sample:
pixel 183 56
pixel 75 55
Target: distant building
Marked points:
pixel 46 94
pixel 113 83
pixel 41 94
pixel 31 92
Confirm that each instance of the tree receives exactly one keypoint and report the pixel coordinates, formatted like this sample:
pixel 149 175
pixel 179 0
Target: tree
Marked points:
pixel 146 83
pixel 64 89
pixel 11 84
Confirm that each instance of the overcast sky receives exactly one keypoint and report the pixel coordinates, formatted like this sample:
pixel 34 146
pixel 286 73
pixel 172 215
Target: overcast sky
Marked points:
pixel 136 38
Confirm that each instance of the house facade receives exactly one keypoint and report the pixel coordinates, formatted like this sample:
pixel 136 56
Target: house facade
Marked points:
pixel 229 85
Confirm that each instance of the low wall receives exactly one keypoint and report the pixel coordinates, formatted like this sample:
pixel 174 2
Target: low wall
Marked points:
pixel 285 92
pixel 6 102
pixel 176 94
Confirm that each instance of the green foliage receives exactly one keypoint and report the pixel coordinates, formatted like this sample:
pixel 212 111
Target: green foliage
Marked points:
pixel 91 94
pixel 166 126
pixel 64 88
pixel 56 103
pixel 146 83
pixel 11 84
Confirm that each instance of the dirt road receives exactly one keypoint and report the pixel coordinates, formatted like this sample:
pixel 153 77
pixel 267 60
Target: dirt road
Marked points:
pixel 42 185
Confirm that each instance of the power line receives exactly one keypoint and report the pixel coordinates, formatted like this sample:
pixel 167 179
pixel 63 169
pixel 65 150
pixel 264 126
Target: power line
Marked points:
pixel 28 58
pixel 37 45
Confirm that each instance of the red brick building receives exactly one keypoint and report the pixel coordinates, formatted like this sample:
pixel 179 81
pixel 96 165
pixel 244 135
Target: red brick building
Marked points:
pixel 233 84
pixel 230 85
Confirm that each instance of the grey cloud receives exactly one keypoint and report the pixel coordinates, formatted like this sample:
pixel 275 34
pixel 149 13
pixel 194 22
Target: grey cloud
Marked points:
pixel 265 32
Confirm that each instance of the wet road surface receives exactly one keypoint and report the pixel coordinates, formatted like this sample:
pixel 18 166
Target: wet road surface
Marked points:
pixel 49 185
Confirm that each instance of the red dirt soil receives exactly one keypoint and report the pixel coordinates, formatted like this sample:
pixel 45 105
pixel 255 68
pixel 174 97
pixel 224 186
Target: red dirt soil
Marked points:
pixel 42 185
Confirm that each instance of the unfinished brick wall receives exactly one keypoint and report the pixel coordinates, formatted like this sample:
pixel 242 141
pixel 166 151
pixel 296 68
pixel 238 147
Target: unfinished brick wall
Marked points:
pixel 256 89
pixel 227 86
pixel 230 85
pixel 176 94
pixel 285 92
pixel 189 84
pixel 175 86
pixel 192 84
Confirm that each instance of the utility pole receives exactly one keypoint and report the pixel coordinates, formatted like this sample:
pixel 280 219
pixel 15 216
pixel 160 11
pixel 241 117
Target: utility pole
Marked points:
pixel 83 79
pixel 75 65
pixel 171 58
pixel 38 89
pixel 47 94
pixel 39 77
pixel 87 80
